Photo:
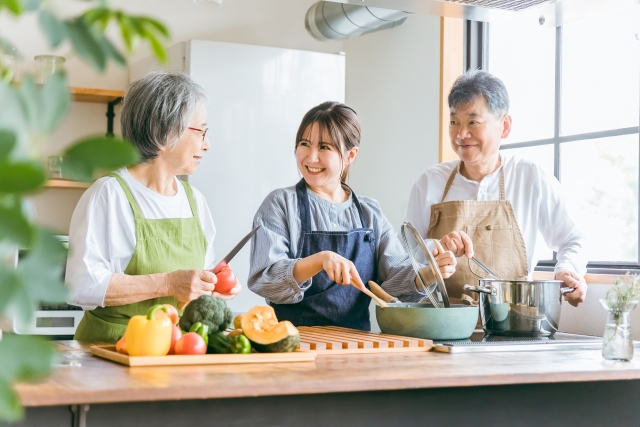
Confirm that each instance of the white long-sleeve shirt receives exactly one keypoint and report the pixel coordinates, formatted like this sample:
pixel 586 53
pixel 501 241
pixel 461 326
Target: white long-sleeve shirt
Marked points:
pixel 102 234
pixel 536 198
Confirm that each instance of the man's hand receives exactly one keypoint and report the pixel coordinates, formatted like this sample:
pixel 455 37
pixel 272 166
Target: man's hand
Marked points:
pixel 572 280
pixel 459 243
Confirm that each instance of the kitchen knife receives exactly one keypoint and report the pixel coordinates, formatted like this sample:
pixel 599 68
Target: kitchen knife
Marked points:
pixel 225 261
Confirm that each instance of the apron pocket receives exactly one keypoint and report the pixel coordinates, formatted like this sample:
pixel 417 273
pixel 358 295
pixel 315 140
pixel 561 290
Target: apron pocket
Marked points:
pixel 493 246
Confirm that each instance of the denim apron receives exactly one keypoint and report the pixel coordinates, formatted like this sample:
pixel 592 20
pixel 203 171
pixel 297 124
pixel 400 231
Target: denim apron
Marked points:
pixel 162 246
pixel 327 303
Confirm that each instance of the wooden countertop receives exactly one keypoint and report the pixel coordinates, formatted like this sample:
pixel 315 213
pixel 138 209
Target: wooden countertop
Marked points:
pixel 101 381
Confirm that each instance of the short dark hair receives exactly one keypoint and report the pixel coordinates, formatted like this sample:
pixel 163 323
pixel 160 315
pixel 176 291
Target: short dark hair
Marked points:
pixel 339 121
pixel 157 110
pixel 477 83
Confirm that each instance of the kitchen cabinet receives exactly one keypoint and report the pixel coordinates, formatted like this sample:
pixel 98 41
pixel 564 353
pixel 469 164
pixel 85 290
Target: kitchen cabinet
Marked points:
pixel 403 389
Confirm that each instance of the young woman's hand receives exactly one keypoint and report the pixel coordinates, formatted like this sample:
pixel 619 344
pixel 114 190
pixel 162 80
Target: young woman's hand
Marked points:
pixel 340 270
pixel 446 263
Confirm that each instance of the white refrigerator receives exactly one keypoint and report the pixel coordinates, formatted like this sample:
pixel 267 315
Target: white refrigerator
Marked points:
pixel 258 96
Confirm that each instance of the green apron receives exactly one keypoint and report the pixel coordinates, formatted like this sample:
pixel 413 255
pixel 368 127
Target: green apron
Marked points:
pixel 162 246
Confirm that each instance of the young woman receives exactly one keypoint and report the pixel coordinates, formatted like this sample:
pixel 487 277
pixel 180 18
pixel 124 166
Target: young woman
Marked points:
pixel 318 236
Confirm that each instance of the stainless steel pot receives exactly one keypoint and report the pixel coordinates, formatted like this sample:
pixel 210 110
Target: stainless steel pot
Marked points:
pixel 520 307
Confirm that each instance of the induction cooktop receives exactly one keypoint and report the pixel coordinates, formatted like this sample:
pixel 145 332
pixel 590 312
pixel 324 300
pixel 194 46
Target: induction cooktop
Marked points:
pixel 479 342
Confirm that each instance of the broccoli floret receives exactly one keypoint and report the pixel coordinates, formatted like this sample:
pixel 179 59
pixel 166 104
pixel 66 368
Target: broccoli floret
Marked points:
pixel 208 310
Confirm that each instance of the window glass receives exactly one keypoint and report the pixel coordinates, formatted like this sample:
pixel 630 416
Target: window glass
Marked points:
pixel 522 55
pixel 600 181
pixel 601 72
pixel 543 156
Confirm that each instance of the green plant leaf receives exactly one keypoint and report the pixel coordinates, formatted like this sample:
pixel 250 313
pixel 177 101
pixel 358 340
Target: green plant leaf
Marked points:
pixel 14 6
pixel 36 356
pixel 158 26
pixel 10 408
pixel 127 30
pixel 158 49
pixel 14 226
pixel 112 52
pixel 55 102
pixel 97 153
pixel 21 177
pixel 7 47
pixel 30 101
pixel 53 28
pixel 42 268
pixel 7 142
pixel 85 44
pixel 97 14
pixel 31 5
pixel 11 284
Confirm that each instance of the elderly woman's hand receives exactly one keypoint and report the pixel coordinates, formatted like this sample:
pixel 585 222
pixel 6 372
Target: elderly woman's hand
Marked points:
pixel 459 243
pixel 187 285
pixel 231 294
pixel 572 280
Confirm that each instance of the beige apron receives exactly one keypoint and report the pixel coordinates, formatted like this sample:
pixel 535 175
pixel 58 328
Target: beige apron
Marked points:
pixel 493 229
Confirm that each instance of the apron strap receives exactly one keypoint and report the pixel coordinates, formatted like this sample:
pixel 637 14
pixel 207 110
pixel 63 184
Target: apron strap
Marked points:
pixel 450 181
pixel 303 205
pixel 453 175
pixel 127 191
pixel 192 202
pixel 358 205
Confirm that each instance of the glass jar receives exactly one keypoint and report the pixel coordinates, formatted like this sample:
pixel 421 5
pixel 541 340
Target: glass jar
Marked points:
pixel 47 65
pixel 616 340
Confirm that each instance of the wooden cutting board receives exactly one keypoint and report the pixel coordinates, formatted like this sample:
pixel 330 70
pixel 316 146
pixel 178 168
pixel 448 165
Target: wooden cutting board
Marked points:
pixel 109 352
pixel 336 340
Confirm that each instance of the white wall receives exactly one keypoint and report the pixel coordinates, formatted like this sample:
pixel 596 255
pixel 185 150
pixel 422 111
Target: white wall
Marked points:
pixel 393 83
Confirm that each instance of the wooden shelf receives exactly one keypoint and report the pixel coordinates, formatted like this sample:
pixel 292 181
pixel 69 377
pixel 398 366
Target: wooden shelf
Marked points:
pixel 99 96
pixel 64 183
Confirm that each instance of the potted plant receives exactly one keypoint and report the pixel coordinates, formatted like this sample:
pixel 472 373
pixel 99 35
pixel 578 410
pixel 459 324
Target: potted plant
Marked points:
pixel 620 300
pixel 29 114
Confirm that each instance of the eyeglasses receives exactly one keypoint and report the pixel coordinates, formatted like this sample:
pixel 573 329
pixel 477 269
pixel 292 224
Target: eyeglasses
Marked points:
pixel 204 132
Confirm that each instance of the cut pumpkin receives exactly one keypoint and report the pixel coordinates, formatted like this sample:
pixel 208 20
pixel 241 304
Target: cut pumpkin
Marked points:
pixel 266 334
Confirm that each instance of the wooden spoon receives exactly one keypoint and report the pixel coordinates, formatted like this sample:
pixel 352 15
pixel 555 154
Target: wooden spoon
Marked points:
pixel 370 294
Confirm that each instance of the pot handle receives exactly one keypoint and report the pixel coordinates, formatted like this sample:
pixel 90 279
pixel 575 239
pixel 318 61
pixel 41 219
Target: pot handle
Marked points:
pixel 481 289
pixel 566 290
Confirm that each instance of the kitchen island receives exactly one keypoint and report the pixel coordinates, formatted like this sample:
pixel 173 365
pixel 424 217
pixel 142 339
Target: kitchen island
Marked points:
pixel 403 389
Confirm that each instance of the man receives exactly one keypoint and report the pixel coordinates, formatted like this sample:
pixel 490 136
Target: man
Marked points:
pixel 490 204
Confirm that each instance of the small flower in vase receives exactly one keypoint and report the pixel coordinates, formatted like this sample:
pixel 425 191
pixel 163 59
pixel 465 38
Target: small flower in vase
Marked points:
pixel 620 300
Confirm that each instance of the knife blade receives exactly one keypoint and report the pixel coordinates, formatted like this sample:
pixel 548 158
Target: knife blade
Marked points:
pixel 225 261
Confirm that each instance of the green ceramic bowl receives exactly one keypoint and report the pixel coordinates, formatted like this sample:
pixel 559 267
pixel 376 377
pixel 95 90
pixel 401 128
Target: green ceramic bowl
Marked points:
pixel 425 321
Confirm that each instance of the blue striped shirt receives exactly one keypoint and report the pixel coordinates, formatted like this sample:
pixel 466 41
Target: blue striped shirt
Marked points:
pixel 274 248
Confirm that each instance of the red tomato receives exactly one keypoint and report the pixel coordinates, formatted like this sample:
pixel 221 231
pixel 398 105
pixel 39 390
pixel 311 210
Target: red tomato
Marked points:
pixel 191 343
pixel 175 336
pixel 226 280
pixel 121 346
pixel 172 313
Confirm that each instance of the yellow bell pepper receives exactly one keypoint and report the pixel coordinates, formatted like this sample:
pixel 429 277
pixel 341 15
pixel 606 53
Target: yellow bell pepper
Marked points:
pixel 148 335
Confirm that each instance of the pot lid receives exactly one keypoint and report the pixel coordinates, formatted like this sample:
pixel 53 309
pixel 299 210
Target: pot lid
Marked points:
pixel 424 265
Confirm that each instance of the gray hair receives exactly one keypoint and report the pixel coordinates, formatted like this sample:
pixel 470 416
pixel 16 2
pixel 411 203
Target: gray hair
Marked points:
pixel 477 83
pixel 157 111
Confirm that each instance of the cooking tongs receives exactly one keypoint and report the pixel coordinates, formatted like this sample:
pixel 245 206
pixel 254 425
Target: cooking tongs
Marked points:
pixel 424 265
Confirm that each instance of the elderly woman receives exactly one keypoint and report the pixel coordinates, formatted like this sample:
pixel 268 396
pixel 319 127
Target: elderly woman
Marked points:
pixel 490 204
pixel 139 236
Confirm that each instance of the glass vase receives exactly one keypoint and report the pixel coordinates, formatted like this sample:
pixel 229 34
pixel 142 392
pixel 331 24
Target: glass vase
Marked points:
pixel 616 340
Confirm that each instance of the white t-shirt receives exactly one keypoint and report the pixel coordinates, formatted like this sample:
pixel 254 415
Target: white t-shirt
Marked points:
pixel 536 198
pixel 102 235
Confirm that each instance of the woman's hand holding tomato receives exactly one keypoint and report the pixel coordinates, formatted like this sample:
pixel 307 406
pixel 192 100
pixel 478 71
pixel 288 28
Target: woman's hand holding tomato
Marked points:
pixel 227 286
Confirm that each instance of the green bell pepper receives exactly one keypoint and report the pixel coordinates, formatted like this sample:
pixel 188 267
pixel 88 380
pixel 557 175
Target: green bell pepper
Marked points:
pixel 223 344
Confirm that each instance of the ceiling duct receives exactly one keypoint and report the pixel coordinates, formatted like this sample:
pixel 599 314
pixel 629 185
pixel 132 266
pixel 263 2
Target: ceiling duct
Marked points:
pixel 327 20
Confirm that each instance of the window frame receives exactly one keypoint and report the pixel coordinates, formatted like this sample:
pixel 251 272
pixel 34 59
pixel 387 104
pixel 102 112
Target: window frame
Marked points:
pixel 475 51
